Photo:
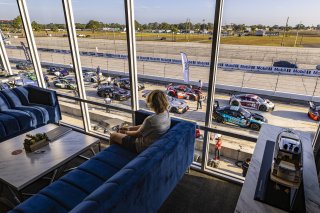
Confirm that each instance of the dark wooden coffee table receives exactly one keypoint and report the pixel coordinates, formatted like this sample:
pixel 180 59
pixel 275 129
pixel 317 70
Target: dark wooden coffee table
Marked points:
pixel 19 171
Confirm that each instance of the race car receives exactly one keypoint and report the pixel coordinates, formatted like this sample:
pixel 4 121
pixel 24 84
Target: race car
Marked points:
pixel 125 83
pixel 251 101
pixel 113 92
pixel 65 83
pixel 238 116
pixel 92 77
pixel 183 92
pixel 177 106
pixel 58 71
pixel 287 158
pixel 285 64
pixel 314 111
pixel 31 76
pixel 24 66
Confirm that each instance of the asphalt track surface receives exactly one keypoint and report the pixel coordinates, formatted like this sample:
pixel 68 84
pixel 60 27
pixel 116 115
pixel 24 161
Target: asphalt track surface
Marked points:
pixel 254 55
pixel 285 115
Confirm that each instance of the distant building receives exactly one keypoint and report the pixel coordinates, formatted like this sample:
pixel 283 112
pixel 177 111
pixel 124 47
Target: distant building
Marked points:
pixel 270 33
pixel 6 22
pixel 260 33
pixel 111 29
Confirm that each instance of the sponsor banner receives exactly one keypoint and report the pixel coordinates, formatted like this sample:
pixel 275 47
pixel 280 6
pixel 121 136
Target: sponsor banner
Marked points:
pixel 227 66
pixel 185 67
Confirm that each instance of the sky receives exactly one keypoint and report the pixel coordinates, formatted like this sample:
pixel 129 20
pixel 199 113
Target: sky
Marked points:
pixel 249 12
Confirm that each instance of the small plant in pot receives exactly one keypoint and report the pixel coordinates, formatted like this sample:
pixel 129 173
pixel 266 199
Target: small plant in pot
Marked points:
pixel 34 142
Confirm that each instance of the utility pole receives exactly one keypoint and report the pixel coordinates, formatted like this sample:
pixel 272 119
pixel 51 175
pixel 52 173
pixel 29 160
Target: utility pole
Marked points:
pixel 203 26
pixel 284 32
pixel 295 42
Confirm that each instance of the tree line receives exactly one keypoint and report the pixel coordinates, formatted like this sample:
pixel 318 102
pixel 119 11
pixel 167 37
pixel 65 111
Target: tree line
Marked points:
pixel 94 26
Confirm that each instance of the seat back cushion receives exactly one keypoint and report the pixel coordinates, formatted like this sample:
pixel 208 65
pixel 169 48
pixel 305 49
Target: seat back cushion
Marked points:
pixel 4 105
pixel 23 94
pixel 12 98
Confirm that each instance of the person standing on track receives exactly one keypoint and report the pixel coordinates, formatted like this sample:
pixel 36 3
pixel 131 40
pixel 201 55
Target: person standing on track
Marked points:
pixel 199 101
pixel 218 147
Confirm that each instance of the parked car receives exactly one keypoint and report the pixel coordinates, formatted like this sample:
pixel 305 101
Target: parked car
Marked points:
pixel 65 83
pixel 24 66
pixel 238 116
pixel 113 92
pixel 286 64
pixel 92 77
pixel 287 163
pixel 183 92
pixel 251 101
pixel 125 83
pixel 314 111
pixel 318 67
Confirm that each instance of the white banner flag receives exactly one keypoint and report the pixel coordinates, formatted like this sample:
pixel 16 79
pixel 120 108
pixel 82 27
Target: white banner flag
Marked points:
pixel 185 67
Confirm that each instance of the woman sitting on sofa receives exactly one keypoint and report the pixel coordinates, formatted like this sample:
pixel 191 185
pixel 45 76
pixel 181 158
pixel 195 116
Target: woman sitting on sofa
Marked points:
pixel 138 138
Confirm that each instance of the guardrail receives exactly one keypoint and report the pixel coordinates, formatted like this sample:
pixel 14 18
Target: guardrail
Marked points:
pixel 283 96
pixel 228 66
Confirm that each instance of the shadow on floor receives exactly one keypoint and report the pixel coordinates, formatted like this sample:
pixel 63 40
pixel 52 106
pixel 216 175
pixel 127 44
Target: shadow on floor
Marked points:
pixel 200 193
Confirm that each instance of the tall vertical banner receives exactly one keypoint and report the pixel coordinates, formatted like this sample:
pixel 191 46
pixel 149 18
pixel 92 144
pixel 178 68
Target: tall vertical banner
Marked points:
pixel 185 67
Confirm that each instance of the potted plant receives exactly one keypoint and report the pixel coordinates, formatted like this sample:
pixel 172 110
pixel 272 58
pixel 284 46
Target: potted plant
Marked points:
pixel 34 142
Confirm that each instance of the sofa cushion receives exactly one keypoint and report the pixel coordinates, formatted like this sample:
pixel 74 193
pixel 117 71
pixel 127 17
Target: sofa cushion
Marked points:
pixel 24 118
pixel 10 124
pixel 67 195
pixel 84 180
pixel 39 204
pixel 22 94
pixel 39 116
pixel 12 98
pixel 3 102
pixel 48 111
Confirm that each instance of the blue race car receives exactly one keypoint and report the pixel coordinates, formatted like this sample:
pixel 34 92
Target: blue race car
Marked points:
pixel 238 116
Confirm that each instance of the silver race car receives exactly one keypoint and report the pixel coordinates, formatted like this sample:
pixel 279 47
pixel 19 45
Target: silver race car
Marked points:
pixel 251 101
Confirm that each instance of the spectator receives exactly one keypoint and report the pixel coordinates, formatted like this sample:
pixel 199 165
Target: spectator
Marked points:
pixel 46 79
pixel 199 101
pixel 75 93
pixel 138 138
pixel 109 80
pixel 108 102
pixel 245 166
pixel 218 147
pixel 200 85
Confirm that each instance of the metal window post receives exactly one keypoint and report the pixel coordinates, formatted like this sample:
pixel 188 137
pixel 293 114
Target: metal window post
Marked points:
pixel 31 42
pixel 75 56
pixel 4 57
pixel 132 59
pixel 212 77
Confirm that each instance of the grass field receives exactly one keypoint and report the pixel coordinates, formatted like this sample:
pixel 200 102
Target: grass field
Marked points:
pixel 305 40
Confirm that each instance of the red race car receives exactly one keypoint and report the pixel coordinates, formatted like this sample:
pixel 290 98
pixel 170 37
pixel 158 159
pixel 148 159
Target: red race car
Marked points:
pixel 314 111
pixel 183 92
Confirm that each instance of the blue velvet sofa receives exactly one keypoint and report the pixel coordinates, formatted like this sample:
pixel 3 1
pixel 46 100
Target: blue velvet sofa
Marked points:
pixel 117 180
pixel 25 108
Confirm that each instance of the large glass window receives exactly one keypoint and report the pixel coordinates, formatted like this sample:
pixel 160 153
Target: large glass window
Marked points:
pixel 101 33
pixel 51 37
pixel 11 29
pixel 170 47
